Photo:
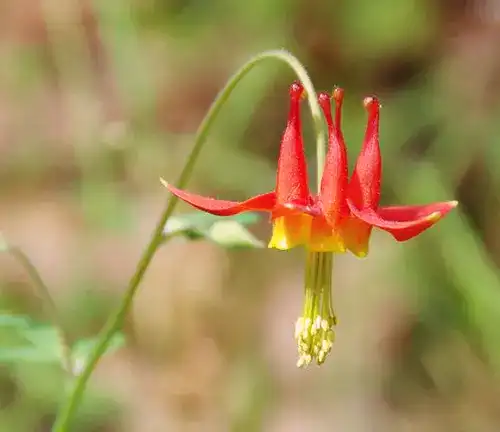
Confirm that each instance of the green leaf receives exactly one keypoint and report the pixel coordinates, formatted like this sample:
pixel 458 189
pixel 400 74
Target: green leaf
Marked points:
pixel 227 231
pixel 232 234
pixel 41 344
pixel 45 339
pixel 27 340
pixel 23 354
pixel 84 347
pixel 14 321
pixel 46 343
pixel 203 221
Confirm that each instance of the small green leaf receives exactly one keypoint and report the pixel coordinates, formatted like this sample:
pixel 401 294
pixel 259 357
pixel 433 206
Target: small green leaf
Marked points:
pixel 41 334
pixel 199 221
pixel 14 321
pixel 227 231
pixel 34 342
pixel 46 342
pixel 84 347
pixel 231 234
pixel 41 345
pixel 23 354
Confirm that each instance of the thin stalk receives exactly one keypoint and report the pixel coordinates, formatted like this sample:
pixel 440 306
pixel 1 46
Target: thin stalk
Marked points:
pixel 43 291
pixel 114 322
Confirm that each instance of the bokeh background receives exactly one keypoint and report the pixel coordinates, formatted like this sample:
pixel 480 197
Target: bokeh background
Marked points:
pixel 100 98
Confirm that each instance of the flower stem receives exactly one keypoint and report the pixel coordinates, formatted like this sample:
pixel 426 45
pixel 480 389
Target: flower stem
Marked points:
pixel 114 322
pixel 43 291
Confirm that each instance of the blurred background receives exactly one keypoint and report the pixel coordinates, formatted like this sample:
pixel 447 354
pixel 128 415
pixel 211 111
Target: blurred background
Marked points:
pixel 100 98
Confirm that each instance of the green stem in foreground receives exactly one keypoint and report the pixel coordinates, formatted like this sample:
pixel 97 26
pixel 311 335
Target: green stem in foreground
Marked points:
pixel 115 321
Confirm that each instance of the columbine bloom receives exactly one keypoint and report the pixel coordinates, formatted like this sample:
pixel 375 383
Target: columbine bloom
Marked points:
pixel 339 218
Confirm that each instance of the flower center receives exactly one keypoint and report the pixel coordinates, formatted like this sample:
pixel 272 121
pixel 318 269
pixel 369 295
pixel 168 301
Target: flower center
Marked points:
pixel 314 330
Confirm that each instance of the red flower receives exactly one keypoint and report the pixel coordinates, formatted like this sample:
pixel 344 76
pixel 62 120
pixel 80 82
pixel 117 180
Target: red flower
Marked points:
pixel 343 213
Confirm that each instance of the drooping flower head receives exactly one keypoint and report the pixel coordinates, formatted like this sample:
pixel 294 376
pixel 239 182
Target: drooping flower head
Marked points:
pixel 339 217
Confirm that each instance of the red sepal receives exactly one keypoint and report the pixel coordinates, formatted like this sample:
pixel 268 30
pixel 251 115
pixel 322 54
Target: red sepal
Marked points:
pixel 364 187
pixel 264 202
pixel 291 177
pixel 404 222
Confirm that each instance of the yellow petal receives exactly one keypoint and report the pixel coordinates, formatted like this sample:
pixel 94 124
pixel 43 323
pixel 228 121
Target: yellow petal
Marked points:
pixel 324 239
pixel 356 235
pixel 290 231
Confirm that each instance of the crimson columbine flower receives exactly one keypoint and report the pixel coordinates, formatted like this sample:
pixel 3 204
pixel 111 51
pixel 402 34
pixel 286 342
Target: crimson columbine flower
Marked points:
pixel 340 217
pixel 343 213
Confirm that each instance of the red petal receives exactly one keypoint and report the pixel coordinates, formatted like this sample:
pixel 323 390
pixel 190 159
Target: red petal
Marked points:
pixel 404 222
pixel 264 202
pixel 291 178
pixel 364 187
pixel 334 181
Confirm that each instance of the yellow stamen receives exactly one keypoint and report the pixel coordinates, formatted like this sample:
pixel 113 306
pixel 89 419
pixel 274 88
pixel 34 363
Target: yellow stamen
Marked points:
pixel 314 329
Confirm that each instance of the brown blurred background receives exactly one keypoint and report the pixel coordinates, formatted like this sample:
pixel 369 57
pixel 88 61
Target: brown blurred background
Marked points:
pixel 100 98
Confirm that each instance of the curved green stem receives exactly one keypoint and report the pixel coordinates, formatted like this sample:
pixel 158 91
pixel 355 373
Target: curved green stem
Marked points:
pixel 43 291
pixel 115 321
